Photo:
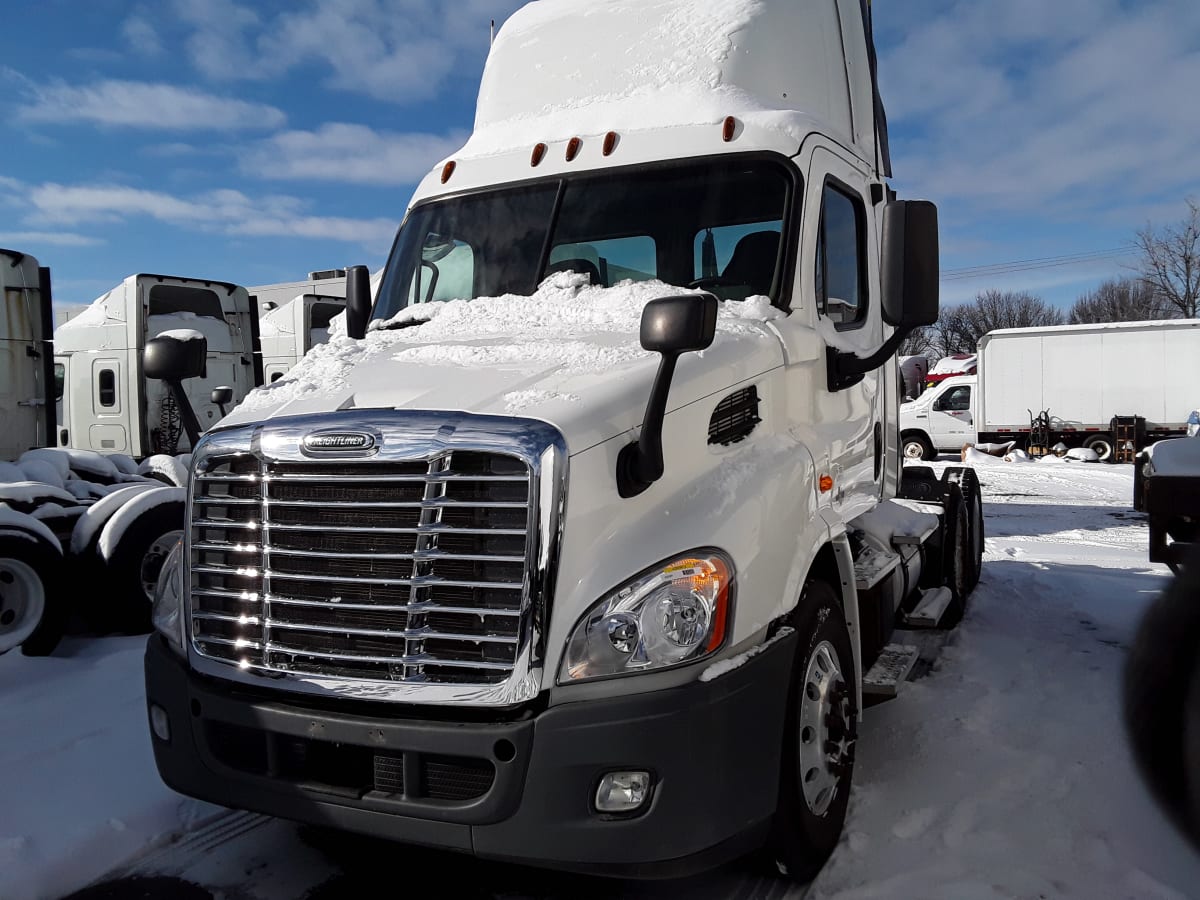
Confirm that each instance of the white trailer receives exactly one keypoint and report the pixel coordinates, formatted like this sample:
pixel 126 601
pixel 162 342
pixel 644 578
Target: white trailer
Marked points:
pixel 27 411
pixel 512 567
pixel 289 331
pixel 1075 378
pixel 108 405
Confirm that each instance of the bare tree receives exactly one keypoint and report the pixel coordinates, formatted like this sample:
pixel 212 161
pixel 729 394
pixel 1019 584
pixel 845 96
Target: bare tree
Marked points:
pixel 920 342
pixel 1170 262
pixel 1120 300
pixel 959 328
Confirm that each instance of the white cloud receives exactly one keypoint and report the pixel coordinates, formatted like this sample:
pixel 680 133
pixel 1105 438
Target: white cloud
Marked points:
pixel 1074 109
pixel 221 211
pixel 145 105
pixel 53 238
pixel 349 153
pixel 142 36
pixel 392 50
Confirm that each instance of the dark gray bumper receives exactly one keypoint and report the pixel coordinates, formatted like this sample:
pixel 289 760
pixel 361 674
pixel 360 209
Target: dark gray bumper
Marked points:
pixel 518 790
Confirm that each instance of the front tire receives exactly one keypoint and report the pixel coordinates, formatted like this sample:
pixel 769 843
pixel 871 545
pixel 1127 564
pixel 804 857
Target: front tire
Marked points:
pixel 916 447
pixel 136 557
pixel 817 761
pixel 32 614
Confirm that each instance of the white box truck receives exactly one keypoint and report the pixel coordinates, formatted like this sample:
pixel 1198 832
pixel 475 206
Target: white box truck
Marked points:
pixel 581 546
pixel 108 405
pixel 1080 377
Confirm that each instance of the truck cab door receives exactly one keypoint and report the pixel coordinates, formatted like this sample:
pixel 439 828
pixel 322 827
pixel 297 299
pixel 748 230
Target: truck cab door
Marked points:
pixel 951 422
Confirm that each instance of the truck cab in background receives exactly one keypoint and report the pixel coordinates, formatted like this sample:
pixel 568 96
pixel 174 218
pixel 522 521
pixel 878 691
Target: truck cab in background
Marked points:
pixel 27 409
pixel 941 419
pixel 107 403
pixel 289 331
pixel 582 547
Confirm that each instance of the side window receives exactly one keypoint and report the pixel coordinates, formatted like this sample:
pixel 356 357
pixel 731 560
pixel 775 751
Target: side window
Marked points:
pixel 739 259
pixel 108 388
pixel 447 271
pixel 60 376
pixel 841 257
pixel 608 262
pixel 957 399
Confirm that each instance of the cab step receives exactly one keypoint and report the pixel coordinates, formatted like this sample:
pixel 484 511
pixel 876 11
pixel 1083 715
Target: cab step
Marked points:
pixel 891 668
pixel 929 609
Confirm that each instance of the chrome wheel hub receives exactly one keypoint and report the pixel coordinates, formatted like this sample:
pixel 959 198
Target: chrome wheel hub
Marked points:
pixel 826 738
pixel 22 603
pixel 156 555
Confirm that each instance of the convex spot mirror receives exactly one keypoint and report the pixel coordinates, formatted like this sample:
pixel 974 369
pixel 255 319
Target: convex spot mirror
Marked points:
pixel 168 358
pixel 222 395
pixel 909 264
pixel 679 324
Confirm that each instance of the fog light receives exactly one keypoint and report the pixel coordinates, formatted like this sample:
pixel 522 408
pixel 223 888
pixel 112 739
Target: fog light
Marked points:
pixel 622 792
pixel 160 723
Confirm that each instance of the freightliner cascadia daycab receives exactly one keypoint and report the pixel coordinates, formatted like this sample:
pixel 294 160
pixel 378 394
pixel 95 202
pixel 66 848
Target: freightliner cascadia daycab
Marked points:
pixel 580 546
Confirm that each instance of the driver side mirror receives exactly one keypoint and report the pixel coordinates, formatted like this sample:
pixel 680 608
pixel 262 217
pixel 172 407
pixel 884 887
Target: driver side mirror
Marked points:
pixel 171 358
pixel 358 301
pixel 909 263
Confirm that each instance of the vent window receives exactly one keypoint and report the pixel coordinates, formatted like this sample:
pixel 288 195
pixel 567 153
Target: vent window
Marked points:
pixel 735 417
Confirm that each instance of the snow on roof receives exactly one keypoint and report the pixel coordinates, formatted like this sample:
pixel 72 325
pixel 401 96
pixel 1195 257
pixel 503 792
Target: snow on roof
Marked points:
pixel 181 334
pixel 579 327
pixel 955 365
pixel 1097 326
pixel 574 67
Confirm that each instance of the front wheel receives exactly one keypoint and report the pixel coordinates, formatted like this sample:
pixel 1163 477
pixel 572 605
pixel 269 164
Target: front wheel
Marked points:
pixel 916 447
pixel 817 761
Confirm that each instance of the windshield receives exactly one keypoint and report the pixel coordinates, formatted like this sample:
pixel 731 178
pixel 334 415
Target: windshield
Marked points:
pixel 713 225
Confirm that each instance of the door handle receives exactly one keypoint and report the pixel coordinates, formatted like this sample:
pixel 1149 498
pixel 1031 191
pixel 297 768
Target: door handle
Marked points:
pixel 921 416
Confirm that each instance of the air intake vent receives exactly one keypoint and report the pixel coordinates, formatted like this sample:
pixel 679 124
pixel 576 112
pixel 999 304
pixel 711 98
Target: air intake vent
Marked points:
pixel 734 417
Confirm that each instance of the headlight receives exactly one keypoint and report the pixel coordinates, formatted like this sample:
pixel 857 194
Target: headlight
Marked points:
pixel 676 612
pixel 167 611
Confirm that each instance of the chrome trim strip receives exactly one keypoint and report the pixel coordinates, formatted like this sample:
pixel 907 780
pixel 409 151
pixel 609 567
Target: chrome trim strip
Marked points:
pixel 408 436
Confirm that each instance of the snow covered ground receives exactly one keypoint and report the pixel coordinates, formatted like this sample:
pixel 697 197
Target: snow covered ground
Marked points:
pixel 1002 773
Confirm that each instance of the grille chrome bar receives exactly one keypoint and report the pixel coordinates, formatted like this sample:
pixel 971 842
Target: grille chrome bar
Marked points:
pixel 420 659
pixel 423 580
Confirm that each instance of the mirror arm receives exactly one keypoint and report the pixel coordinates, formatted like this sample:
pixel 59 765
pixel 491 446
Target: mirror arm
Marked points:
pixel 186 413
pixel 847 369
pixel 640 463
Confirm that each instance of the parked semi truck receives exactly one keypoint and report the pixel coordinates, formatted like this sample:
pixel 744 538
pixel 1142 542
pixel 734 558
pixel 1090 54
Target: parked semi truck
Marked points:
pixel 581 547
pixel 1080 377
pixel 26 355
pixel 290 330
pixel 108 405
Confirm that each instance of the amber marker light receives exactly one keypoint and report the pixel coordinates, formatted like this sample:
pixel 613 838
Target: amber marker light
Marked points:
pixel 539 151
pixel 728 129
pixel 826 484
pixel 574 145
pixel 708 577
pixel 610 143
pixel 447 171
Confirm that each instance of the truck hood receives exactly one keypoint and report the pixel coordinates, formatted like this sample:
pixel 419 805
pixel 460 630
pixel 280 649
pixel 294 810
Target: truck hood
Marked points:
pixel 568 355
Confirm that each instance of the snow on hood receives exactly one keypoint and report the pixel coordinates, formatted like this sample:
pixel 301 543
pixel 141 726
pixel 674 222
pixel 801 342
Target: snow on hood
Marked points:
pixel 569 354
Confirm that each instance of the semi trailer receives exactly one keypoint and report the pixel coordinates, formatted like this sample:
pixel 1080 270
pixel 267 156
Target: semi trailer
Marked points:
pixel 588 543
pixel 1097 386
pixel 27 412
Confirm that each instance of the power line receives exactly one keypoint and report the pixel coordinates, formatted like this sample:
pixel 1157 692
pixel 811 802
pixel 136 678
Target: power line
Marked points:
pixel 1028 265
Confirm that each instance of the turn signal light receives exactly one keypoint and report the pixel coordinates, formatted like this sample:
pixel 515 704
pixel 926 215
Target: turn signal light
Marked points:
pixel 826 484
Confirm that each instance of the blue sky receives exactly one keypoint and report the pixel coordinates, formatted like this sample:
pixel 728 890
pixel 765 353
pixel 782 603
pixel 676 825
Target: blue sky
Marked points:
pixel 254 142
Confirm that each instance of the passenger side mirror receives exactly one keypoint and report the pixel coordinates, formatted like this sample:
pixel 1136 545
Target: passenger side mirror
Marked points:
pixel 909 263
pixel 671 326
pixel 358 301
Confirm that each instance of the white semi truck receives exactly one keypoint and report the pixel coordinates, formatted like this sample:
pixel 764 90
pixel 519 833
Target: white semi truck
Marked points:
pixel 1072 381
pixel 581 546
pixel 107 403
pixel 286 332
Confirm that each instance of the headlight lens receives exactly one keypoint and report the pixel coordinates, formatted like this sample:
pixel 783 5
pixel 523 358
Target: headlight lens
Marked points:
pixel 676 612
pixel 167 611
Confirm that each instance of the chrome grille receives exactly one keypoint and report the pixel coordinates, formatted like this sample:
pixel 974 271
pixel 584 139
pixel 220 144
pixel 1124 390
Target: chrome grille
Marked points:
pixel 398 571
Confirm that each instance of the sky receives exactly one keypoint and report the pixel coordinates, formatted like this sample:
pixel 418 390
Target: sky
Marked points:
pixel 254 142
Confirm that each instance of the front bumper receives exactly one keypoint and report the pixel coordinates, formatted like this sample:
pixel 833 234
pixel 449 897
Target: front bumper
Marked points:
pixel 519 790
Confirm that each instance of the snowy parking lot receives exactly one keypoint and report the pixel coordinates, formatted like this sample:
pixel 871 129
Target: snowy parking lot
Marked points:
pixel 1003 772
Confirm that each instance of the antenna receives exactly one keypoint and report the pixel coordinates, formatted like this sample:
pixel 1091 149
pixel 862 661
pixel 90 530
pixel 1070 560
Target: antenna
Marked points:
pixel 492 40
